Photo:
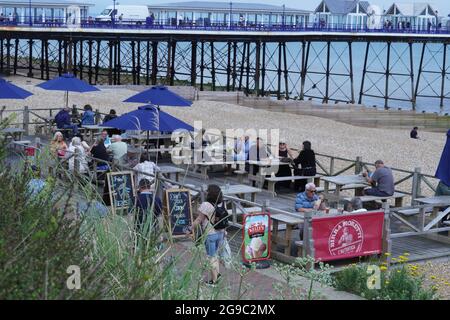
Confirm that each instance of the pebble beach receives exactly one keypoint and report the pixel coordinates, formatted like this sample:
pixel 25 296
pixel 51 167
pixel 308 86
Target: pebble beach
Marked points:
pixel 327 136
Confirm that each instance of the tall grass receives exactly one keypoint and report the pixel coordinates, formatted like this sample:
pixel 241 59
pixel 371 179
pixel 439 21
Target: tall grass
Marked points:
pixel 42 234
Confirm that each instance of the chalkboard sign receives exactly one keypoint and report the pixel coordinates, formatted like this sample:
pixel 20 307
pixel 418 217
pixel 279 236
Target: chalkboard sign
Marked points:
pixel 121 190
pixel 179 211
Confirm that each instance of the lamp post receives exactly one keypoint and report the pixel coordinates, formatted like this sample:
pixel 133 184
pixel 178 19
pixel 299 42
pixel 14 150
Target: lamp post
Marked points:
pixel 113 16
pixel 231 12
pixel 283 19
pixel 29 7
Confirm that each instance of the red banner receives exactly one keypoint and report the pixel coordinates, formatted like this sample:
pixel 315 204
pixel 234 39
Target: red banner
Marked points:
pixel 347 236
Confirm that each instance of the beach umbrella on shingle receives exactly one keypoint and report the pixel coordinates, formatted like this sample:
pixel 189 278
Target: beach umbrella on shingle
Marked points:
pixel 11 91
pixel 67 83
pixel 160 96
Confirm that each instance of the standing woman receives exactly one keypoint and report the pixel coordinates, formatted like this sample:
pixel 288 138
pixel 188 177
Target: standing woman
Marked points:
pixel 307 161
pixel 213 239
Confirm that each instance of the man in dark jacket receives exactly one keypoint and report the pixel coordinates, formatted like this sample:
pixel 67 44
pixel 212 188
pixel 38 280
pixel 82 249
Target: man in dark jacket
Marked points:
pixel 63 121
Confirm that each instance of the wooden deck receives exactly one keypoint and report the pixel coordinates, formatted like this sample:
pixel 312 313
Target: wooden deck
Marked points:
pixel 419 247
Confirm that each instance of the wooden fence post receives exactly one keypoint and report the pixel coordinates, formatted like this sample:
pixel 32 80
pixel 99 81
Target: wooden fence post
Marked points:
pixel 1 113
pixel 308 242
pixel 416 185
pixel 358 165
pixel 387 242
pixel 76 162
pixel 26 120
pixel 98 116
pixel 203 193
pixel 331 166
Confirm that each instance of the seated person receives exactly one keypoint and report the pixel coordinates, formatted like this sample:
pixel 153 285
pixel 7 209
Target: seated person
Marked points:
pixel 88 117
pixel 63 121
pixel 112 115
pixel 58 146
pixel 285 154
pixel 145 166
pixel 98 151
pixel 147 203
pixel 106 139
pixel 258 152
pixel 76 147
pixel 382 180
pixel 308 200
pixel 414 134
pixel 118 149
pixel 355 205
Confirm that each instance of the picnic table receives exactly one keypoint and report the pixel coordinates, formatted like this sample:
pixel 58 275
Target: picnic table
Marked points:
pixel 15 133
pixel 260 175
pixel 206 165
pixel 291 221
pixel 93 128
pixel 169 170
pixel 240 190
pixel 356 182
pixel 137 139
pixel 436 202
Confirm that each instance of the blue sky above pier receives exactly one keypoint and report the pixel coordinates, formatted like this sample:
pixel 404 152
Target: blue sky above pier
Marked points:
pixel 443 6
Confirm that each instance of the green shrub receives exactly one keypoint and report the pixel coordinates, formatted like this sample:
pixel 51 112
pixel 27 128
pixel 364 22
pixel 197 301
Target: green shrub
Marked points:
pixel 396 284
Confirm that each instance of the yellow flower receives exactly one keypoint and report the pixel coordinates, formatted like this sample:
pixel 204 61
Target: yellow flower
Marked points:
pixel 398 271
pixel 406 254
pixel 433 277
pixel 387 254
pixel 394 259
pixel 383 268
pixel 387 282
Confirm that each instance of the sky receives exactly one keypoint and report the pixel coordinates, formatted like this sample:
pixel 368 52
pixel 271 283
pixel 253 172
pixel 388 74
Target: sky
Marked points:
pixel 442 6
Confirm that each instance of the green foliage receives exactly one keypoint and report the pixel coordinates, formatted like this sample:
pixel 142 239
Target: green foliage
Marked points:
pixel 42 234
pixel 396 284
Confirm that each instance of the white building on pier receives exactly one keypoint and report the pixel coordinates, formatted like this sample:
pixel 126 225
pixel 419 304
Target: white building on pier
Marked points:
pixel 42 11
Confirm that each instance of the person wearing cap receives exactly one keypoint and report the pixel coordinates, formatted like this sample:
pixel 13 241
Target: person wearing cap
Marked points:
pixel 307 200
pixel 382 181
pixel 213 239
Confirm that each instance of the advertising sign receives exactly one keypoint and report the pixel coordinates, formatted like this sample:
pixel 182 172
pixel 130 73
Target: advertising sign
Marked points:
pixel 256 237
pixel 347 236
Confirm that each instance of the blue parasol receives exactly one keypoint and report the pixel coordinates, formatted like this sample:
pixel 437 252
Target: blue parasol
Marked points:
pixel 11 91
pixel 68 83
pixel 443 170
pixel 161 96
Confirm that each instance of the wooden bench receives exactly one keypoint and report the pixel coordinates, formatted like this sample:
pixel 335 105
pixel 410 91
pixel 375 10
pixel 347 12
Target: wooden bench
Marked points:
pixel 241 174
pixel 397 196
pixel 290 222
pixel 250 210
pixel 271 181
pixel 412 212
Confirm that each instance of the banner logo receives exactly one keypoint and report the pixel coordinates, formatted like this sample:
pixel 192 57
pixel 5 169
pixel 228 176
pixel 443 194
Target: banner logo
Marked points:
pixel 346 238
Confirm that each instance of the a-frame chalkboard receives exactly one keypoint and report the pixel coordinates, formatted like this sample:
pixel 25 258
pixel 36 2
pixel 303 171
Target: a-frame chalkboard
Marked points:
pixel 179 211
pixel 121 190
